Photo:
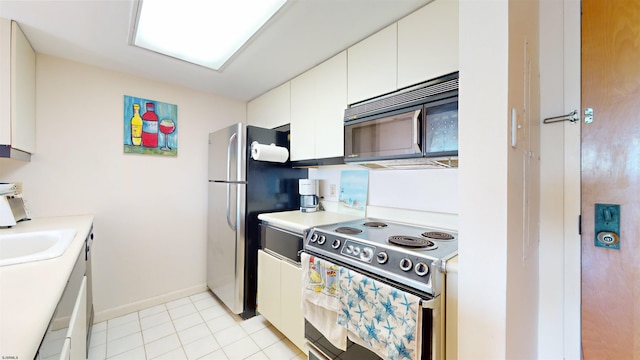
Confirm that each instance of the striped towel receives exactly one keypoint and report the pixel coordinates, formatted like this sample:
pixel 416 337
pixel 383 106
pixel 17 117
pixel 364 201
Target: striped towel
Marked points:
pixel 320 298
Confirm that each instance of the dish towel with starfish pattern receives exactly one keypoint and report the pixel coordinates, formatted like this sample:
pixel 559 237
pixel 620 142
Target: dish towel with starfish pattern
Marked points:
pixel 320 298
pixel 379 317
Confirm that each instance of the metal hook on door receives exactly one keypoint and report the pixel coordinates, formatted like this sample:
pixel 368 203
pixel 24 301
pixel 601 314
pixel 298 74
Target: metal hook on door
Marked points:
pixel 572 117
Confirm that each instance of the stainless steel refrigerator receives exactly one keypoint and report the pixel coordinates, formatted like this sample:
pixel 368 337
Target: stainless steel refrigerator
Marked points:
pixel 240 189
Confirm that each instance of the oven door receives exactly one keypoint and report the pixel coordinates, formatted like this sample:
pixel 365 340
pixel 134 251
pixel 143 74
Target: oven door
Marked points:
pixel 320 348
pixel 432 329
pixel 392 135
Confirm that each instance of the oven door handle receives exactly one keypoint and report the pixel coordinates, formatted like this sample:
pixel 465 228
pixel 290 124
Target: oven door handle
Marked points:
pixel 437 338
pixel 430 304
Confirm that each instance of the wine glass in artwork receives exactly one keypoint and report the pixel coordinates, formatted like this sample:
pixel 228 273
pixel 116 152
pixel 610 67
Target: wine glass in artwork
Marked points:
pixel 167 126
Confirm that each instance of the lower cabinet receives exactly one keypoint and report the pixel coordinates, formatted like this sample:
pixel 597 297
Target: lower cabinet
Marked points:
pixel 280 296
pixel 66 350
pixel 77 333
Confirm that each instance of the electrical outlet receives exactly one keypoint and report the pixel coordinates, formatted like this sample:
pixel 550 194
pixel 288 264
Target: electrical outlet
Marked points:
pixel 332 190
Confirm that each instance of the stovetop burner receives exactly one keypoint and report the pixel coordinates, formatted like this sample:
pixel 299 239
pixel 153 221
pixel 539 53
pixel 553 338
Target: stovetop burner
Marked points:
pixel 412 241
pixel 348 230
pixel 437 235
pixel 375 224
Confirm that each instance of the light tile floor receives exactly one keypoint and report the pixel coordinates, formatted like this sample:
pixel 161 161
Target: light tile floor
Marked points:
pixel 194 327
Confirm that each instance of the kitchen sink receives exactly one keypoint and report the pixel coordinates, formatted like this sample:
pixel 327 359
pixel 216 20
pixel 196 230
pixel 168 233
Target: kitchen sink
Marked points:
pixel 34 246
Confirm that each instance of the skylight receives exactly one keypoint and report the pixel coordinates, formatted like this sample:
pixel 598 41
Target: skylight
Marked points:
pixel 203 32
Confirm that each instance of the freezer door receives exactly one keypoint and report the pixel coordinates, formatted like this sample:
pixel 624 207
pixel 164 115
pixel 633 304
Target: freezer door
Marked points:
pixel 226 243
pixel 227 154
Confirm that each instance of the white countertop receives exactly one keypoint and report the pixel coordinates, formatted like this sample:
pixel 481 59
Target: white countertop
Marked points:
pixel 298 221
pixel 29 292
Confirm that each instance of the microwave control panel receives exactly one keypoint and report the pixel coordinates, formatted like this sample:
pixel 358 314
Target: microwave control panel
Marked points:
pixel 442 128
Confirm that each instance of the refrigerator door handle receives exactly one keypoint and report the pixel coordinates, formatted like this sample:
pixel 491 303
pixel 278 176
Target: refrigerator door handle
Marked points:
pixel 231 224
pixel 229 148
pixel 232 139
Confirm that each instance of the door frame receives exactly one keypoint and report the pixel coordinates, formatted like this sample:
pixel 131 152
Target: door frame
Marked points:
pixel 560 252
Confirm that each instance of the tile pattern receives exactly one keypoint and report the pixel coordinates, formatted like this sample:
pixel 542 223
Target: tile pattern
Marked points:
pixel 194 327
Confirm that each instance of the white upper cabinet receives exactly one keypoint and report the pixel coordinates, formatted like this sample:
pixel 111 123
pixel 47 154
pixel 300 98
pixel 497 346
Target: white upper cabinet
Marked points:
pixel 372 65
pixel 318 101
pixel 419 47
pixel 272 109
pixel 17 88
pixel 428 43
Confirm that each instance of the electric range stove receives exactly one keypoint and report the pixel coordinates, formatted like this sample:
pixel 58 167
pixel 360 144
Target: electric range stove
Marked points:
pixel 411 256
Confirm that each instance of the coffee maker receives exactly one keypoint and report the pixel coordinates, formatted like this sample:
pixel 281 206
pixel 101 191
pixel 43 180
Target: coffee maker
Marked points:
pixel 309 199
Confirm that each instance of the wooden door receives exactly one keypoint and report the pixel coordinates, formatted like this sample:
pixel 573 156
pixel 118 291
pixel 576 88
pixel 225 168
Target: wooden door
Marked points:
pixel 610 175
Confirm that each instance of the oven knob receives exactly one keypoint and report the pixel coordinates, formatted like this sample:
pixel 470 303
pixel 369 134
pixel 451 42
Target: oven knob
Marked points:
pixel 421 269
pixel 356 251
pixel 406 264
pixel 382 257
pixel 349 249
pixel 367 254
pixel 321 239
pixel 314 237
pixel 335 244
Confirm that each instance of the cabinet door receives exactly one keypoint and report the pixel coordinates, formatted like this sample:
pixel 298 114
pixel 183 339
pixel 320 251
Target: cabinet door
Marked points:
pixel 292 319
pixel 272 109
pixel 269 288
pixel 66 350
pixel 23 91
pixel 318 101
pixel 372 65
pixel 78 325
pixel 428 43
pixel 5 81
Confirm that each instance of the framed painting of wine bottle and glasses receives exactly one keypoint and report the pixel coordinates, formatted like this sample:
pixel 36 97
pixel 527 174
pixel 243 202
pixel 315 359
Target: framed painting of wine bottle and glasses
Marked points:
pixel 150 127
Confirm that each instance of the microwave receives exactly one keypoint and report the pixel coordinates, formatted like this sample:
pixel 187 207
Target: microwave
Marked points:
pixel 415 127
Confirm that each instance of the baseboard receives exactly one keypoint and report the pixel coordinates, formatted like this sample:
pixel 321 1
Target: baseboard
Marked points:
pixel 147 303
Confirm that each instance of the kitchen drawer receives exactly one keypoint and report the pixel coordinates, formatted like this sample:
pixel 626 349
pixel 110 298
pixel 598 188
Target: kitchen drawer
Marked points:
pixel 281 242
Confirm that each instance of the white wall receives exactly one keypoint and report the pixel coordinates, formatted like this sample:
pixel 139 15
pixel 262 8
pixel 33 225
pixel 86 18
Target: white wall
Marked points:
pixel 498 199
pixel 523 181
pixel 483 140
pixel 431 194
pixel 150 211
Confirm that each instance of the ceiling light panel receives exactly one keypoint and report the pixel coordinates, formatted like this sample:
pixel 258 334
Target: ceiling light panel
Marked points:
pixel 203 32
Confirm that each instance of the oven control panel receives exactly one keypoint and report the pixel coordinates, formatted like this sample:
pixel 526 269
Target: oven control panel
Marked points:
pixel 352 249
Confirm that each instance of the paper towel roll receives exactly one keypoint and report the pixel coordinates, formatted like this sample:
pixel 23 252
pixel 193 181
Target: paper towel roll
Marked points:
pixel 271 153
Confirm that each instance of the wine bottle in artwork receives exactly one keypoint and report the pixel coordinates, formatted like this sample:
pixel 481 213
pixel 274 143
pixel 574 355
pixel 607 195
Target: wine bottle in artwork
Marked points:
pixel 150 127
pixel 136 126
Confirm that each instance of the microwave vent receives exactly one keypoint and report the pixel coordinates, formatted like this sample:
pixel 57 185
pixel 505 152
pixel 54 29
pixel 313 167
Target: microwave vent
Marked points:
pixel 411 164
pixel 405 97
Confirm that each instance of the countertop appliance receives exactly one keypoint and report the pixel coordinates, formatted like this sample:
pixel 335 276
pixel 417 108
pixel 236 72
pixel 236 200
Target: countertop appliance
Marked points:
pixel 12 206
pixel 406 257
pixel 415 127
pixel 309 195
pixel 240 189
